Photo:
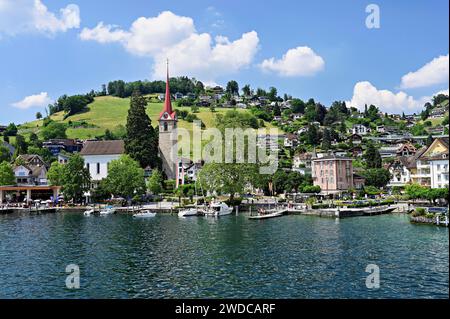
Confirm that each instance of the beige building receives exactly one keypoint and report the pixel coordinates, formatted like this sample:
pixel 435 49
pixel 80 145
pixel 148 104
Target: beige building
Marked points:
pixel 332 173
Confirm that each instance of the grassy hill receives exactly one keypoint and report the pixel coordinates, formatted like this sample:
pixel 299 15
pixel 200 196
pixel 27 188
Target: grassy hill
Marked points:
pixel 108 112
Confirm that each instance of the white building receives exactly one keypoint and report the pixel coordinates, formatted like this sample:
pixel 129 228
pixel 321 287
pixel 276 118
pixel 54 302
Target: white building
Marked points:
pixel 187 170
pixel 360 129
pixel 401 170
pixel 433 165
pixel 98 154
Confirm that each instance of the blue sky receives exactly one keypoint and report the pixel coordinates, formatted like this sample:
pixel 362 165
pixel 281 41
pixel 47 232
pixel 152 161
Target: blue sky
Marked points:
pixel 319 49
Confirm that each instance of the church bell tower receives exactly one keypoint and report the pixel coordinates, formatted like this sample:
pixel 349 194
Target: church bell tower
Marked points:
pixel 167 126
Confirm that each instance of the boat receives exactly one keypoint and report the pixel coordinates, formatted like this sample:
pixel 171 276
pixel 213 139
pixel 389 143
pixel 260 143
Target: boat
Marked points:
pixel 145 214
pixel 108 210
pixel 218 209
pixel 188 212
pixel 89 212
pixel 267 215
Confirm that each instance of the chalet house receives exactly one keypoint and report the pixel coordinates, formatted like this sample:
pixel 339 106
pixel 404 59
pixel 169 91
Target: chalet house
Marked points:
pixel 406 149
pixel 360 129
pixel 388 151
pixel 356 151
pixel 291 140
pixel 63 158
pixel 31 170
pixel 401 170
pixel 55 146
pixel 302 130
pixel 296 116
pixel 433 165
pixel 277 118
pixel 355 139
pixel 98 154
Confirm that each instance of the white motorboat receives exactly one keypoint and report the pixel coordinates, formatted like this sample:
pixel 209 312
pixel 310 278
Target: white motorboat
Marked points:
pixel 144 214
pixel 108 210
pixel 89 212
pixel 218 209
pixel 268 214
pixel 188 212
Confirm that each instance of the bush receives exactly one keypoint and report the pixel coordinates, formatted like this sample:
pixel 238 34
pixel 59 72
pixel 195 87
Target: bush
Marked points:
pixel 419 212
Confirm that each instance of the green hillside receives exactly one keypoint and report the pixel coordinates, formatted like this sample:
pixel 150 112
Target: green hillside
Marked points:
pixel 108 112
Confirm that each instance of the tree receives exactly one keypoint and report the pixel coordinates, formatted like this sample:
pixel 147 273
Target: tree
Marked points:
pixel 297 106
pixel 76 179
pixel 312 135
pixel 7 176
pixel 11 130
pixel 326 140
pixel 21 145
pixel 54 130
pixel 232 87
pixel 246 90
pixel 55 174
pixel 38 115
pixel 155 182
pixel 372 157
pixel 125 178
pixel 377 177
pixel 4 154
pixel 273 94
pixel 141 142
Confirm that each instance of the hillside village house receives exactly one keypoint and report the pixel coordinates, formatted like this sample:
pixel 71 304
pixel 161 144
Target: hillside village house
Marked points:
pixel 290 140
pixel 333 174
pixel 360 129
pixel 401 170
pixel 433 165
pixel 56 146
pixel 98 154
pixel 302 163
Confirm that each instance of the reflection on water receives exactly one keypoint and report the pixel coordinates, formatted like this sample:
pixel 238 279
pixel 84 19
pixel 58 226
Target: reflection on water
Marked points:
pixel 170 257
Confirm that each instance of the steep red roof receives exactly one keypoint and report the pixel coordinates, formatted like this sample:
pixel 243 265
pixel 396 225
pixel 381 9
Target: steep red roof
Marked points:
pixel 167 102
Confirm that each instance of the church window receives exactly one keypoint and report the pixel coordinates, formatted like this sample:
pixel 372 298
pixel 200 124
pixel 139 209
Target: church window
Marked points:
pixel 165 126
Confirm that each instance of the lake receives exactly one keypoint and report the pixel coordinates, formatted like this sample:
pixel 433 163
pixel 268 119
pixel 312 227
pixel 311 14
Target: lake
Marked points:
pixel 231 257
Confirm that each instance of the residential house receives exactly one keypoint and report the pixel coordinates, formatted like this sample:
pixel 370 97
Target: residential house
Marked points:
pixel 302 163
pixel 268 142
pixel 360 129
pixel 358 181
pixel 388 151
pixel 437 130
pixel 98 154
pixel 438 112
pixel 401 170
pixel 333 174
pixel 290 140
pixel 187 170
pixel 433 165
pixel 355 139
pixel 356 151
pixel 296 116
pixel 2 128
pixel 63 158
pixel 406 149
pixel 55 146
pixel 30 170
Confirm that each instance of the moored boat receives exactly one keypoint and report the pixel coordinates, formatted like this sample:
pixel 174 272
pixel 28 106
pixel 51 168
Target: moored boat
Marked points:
pixel 218 209
pixel 108 210
pixel 144 214
pixel 188 212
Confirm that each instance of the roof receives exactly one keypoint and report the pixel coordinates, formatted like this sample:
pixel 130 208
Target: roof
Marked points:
pixel 436 156
pixel 112 147
pixel 332 157
pixel 167 102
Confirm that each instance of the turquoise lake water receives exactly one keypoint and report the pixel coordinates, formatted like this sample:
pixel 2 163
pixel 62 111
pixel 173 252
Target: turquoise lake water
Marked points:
pixel 231 257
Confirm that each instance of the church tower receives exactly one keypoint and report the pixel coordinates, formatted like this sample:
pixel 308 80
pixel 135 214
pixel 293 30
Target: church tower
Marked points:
pixel 168 124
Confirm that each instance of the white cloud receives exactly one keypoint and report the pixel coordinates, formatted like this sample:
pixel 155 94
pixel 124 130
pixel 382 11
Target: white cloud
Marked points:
pixel 387 101
pixel 42 99
pixel 104 34
pixel 175 37
pixel 434 72
pixel 19 16
pixel 300 61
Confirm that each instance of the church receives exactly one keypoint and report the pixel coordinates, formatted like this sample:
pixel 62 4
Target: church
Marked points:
pixel 167 125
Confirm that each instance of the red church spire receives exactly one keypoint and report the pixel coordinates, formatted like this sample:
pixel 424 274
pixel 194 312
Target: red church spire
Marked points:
pixel 167 102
